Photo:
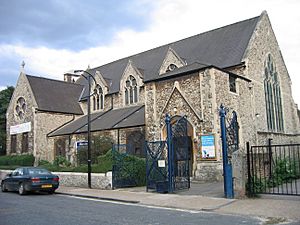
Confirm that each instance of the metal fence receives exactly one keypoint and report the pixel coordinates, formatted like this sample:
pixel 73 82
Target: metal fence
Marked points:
pixel 273 169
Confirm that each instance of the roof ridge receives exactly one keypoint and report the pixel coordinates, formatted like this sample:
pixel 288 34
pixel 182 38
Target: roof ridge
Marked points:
pixel 171 43
pixel 60 81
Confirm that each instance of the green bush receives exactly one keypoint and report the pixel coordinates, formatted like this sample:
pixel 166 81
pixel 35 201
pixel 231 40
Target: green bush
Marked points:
pixel 61 161
pixel 17 160
pixel 131 168
pixel 100 146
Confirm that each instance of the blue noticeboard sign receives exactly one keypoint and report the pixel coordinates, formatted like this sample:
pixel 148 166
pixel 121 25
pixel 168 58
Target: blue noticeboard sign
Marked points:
pixel 208 148
pixel 81 144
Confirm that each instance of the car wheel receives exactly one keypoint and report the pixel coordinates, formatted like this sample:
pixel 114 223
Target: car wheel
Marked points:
pixel 22 190
pixel 3 188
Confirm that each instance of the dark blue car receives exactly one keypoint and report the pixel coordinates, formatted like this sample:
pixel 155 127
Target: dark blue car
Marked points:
pixel 27 179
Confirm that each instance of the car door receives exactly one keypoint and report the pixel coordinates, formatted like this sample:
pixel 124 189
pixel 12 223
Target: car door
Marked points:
pixel 9 180
pixel 15 178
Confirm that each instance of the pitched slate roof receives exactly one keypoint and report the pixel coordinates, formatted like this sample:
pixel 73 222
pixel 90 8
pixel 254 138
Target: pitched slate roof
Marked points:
pixel 56 96
pixel 222 47
pixel 111 119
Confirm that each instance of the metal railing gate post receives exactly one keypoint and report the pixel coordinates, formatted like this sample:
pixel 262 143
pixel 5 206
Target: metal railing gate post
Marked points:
pixel 227 167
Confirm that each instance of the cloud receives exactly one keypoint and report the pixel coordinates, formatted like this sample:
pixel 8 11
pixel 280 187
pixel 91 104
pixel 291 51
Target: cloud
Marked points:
pixel 167 21
pixel 68 24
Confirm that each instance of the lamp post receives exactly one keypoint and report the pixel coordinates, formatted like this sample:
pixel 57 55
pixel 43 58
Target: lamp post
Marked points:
pixel 88 78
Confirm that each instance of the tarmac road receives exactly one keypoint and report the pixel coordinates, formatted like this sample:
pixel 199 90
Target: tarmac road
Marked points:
pixel 44 209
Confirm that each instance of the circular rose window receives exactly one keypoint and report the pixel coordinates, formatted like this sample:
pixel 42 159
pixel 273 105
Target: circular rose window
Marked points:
pixel 21 107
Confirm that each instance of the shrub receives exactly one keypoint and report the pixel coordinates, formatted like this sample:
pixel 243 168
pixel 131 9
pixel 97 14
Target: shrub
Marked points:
pixel 100 146
pixel 17 160
pixel 130 169
pixel 61 161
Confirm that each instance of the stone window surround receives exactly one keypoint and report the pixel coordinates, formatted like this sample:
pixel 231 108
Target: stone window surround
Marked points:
pixel 272 96
pixel 133 89
pixel 232 84
pixel 20 108
pixel 171 67
pixel 98 98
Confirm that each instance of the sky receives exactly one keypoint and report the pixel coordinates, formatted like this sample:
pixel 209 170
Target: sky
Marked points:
pixel 55 36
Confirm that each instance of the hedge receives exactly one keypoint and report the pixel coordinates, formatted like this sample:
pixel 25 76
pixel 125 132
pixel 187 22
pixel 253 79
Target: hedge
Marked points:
pixel 17 160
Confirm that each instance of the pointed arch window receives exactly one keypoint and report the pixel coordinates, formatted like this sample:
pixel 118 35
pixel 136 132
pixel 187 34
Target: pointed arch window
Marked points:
pixel 98 98
pixel 273 96
pixel 131 91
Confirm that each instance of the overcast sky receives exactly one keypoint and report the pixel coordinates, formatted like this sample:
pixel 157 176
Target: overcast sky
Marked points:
pixel 55 36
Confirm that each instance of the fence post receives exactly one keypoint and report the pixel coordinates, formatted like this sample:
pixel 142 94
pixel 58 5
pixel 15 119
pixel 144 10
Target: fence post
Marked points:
pixel 170 155
pixel 249 185
pixel 270 156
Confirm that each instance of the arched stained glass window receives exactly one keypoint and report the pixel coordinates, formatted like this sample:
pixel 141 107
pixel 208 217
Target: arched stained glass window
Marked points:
pixel 98 98
pixel 273 96
pixel 131 91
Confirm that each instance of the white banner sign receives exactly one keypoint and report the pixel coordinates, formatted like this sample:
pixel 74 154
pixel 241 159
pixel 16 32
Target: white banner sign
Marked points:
pixel 20 128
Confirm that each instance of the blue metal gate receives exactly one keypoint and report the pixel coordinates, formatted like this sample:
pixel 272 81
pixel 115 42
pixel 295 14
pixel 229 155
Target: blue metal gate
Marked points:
pixel 156 166
pixel 230 144
pixel 168 162
pixel 181 149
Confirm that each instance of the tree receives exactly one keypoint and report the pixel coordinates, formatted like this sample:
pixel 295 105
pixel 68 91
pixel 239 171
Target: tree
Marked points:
pixel 5 96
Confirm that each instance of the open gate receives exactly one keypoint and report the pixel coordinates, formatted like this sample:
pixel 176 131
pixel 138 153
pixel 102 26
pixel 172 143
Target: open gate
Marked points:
pixel 168 161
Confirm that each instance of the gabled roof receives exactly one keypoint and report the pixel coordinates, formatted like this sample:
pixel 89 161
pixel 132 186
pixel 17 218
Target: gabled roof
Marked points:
pixel 112 119
pixel 55 96
pixel 222 47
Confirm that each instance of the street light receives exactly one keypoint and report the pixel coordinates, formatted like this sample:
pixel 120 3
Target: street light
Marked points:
pixel 88 78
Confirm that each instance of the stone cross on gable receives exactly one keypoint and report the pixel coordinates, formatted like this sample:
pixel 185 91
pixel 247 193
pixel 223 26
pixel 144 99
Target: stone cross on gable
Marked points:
pixel 22 67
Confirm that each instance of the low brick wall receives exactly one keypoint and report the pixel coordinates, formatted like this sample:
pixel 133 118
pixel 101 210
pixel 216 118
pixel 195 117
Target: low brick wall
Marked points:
pixel 99 180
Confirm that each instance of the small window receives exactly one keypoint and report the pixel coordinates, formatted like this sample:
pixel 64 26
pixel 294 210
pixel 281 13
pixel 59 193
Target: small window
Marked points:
pixel 24 142
pixel 232 84
pixel 171 67
pixel 13 143
pixel 60 147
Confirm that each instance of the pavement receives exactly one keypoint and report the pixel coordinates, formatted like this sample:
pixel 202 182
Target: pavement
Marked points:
pixel 272 209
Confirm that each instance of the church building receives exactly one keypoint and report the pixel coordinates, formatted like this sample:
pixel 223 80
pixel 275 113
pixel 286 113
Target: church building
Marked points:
pixel 238 65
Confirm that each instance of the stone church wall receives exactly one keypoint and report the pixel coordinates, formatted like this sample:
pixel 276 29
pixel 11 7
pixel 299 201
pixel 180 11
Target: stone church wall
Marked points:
pixel 263 43
pixel 22 90
pixel 45 123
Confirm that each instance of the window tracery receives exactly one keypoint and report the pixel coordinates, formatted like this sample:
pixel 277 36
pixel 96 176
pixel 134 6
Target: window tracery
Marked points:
pixel 131 91
pixel 273 96
pixel 98 98
pixel 21 107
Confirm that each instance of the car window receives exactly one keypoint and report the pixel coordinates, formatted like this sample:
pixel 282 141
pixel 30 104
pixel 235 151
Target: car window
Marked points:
pixel 17 172
pixel 37 171
pixel 21 173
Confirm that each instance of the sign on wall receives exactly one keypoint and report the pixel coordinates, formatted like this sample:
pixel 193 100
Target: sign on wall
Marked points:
pixel 207 146
pixel 80 144
pixel 20 128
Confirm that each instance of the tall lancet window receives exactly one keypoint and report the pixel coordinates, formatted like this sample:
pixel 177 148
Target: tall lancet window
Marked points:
pixel 98 98
pixel 131 91
pixel 273 96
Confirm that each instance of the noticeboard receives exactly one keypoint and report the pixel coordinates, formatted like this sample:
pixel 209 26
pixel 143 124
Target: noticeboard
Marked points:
pixel 207 147
pixel 80 144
